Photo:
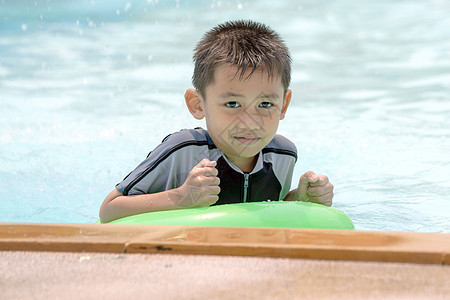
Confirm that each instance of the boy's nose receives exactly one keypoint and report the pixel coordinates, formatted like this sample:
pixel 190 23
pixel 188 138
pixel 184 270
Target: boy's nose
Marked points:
pixel 250 121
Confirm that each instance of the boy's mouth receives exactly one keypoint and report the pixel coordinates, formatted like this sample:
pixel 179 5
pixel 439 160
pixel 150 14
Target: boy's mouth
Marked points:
pixel 248 140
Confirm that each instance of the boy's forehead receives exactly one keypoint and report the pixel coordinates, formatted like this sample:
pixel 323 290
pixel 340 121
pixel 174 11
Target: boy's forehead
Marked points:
pixel 231 73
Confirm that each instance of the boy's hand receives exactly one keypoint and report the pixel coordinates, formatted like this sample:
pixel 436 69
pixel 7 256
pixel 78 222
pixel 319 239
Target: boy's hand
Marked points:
pixel 315 188
pixel 201 187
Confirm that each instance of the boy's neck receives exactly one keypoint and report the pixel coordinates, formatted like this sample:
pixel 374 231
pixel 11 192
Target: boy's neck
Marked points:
pixel 245 164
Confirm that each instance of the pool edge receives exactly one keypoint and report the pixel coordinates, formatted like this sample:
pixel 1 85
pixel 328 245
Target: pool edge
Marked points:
pixel 346 245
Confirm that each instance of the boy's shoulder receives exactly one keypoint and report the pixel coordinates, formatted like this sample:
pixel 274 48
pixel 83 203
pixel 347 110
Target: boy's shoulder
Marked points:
pixel 197 134
pixel 281 144
pixel 179 140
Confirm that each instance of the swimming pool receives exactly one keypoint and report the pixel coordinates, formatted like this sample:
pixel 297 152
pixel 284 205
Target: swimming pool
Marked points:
pixel 88 88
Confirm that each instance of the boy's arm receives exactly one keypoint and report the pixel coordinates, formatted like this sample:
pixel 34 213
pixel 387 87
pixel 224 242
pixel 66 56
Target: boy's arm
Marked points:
pixel 312 188
pixel 116 205
pixel 201 188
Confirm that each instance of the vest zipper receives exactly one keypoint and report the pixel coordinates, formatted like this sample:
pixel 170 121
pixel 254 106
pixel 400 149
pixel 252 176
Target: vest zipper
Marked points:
pixel 245 186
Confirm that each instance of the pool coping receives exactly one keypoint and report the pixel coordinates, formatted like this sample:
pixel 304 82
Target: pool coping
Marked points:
pixel 329 244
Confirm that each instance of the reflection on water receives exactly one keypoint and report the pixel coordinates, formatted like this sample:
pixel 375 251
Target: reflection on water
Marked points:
pixel 87 89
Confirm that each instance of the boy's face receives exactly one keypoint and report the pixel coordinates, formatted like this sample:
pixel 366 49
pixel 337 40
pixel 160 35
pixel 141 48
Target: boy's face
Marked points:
pixel 242 114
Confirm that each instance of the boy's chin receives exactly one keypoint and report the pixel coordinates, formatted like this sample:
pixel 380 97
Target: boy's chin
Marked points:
pixel 245 152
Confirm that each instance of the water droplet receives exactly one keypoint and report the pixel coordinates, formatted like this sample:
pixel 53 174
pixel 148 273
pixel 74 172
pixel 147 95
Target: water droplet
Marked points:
pixel 127 7
pixel 24 27
pixel 83 258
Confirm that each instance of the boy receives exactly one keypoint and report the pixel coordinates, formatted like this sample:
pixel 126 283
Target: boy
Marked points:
pixel 241 79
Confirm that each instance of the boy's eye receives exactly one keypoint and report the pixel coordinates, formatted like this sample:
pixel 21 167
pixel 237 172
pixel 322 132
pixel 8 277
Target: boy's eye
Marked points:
pixel 266 104
pixel 232 104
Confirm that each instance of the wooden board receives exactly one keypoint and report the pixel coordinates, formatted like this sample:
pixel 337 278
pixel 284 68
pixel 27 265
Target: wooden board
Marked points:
pixel 269 242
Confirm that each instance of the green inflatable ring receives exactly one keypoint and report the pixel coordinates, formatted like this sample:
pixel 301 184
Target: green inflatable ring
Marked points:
pixel 281 214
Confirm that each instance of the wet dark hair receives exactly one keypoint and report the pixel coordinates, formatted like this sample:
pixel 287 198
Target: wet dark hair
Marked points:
pixel 245 44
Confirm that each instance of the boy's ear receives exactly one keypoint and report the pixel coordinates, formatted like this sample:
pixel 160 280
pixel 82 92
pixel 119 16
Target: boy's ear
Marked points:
pixel 194 103
pixel 286 101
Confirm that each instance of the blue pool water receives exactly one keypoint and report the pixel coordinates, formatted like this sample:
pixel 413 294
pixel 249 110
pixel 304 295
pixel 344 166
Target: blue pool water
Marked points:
pixel 88 88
